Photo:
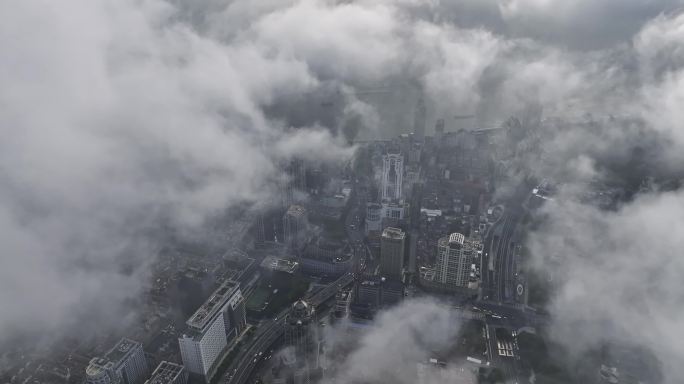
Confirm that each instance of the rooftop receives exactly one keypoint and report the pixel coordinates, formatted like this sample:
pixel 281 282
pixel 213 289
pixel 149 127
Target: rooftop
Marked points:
pixel 456 238
pixel 280 265
pixel 393 233
pixel 97 366
pixel 122 350
pixel 213 305
pixel 296 210
pixel 165 373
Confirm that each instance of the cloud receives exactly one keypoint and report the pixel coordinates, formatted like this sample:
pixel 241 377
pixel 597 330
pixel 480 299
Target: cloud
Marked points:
pixel 399 339
pixel 117 116
pixel 618 275
pixel 117 120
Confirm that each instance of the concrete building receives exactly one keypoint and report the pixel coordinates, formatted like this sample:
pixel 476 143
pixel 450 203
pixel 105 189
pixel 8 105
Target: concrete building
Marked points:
pixel 327 257
pixel 393 211
pixel 369 292
pixel 296 227
pixel 124 364
pixel 392 293
pixel 129 359
pixel 294 188
pixel 168 373
pixel 342 301
pixel 439 131
pixel 392 177
pixel 374 215
pixel 392 253
pixel 212 330
pixel 302 334
pixel 420 120
pixel 101 371
pixel 374 293
pixel 455 256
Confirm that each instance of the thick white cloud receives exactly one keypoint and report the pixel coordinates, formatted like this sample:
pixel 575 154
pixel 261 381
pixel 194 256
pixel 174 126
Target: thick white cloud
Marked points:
pixel 116 115
pixel 399 339
pixel 115 119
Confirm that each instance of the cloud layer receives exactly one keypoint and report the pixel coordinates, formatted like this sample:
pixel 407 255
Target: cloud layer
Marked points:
pixel 117 116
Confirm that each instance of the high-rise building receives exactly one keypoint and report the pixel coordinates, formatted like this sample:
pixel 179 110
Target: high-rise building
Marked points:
pixel 168 373
pixel 373 218
pixel 419 121
pixel 374 293
pixel 392 176
pixel 129 361
pixel 392 293
pixel 296 227
pixel 124 364
pixel 298 174
pixel 294 186
pixel 439 131
pixel 101 371
pixel 392 253
pixel 455 255
pixel 369 292
pixel 301 333
pixel 212 330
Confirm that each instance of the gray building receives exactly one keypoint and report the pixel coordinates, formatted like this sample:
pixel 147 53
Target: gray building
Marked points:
pixel 392 253
pixel 124 364
pixel 327 257
pixel 295 227
pixel 392 177
pixel 168 373
pixel 101 371
pixel 303 336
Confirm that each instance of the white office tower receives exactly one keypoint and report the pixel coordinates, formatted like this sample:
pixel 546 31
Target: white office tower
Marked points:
pixel 455 255
pixel 101 371
pixel 168 373
pixel 392 176
pixel 212 330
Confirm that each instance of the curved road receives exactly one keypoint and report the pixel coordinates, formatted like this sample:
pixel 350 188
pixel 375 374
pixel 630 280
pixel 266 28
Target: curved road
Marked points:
pixel 268 333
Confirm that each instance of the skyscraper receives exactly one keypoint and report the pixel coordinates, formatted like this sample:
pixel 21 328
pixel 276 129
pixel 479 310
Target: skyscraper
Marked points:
pixel 295 226
pixel 373 218
pixel 419 121
pixel 392 176
pixel 294 187
pixel 212 329
pixel 301 333
pixel 392 253
pixel 455 255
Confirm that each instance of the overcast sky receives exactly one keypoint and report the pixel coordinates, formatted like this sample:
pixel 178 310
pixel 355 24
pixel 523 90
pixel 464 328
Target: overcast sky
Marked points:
pixel 116 115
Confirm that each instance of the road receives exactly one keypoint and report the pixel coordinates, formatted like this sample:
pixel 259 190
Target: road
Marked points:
pixel 499 282
pixel 268 333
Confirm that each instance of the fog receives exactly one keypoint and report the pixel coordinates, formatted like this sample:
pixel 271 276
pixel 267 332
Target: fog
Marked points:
pixel 118 117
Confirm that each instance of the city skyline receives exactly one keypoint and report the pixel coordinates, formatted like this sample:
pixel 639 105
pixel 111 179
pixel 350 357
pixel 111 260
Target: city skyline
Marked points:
pixel 514 165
